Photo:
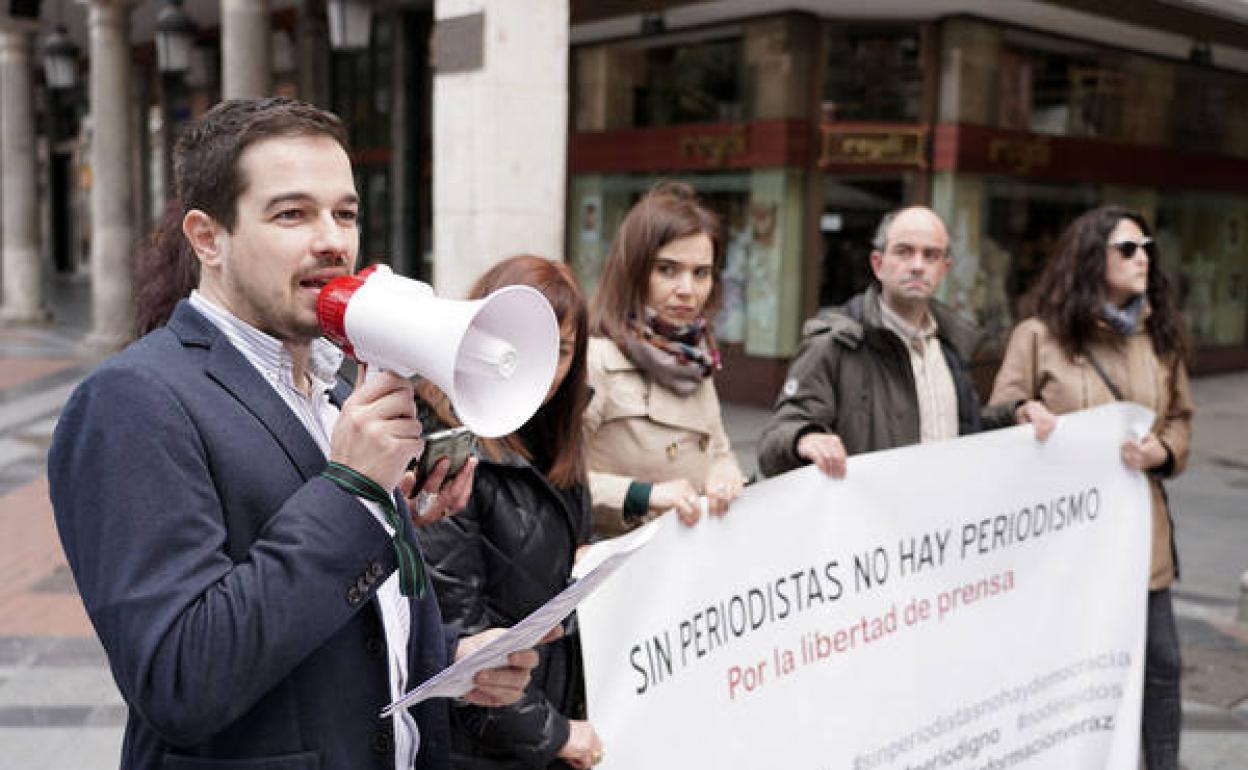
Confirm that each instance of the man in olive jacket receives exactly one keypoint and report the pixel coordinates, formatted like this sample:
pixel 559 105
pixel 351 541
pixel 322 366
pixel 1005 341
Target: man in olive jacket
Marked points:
pixel 887 369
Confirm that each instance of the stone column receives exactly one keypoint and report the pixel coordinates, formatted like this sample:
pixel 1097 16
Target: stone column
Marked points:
pixel 970 54
pixel 607 76
pixel 499 135
pixel 246 64
pixel 22 261
pixel 112 210
pixel 778 55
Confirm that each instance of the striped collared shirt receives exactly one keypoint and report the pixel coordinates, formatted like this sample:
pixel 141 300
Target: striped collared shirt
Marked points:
pixel 318 414
pixel 933 382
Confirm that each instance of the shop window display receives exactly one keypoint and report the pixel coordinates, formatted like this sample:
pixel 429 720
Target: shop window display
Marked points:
pixel 1202 109
pixel 873 74
pixel 362 95
pixel 1021 227
pixel 852 210
pixel 1202 238
pixel 692 83
pixel 1063 88
pixel 755 220
pixel 1060 94
pixel 1204 247
pixel 661 81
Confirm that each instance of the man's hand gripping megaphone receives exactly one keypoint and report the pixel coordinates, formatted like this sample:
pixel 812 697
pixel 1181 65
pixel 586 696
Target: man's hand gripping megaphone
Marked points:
pixel 494 358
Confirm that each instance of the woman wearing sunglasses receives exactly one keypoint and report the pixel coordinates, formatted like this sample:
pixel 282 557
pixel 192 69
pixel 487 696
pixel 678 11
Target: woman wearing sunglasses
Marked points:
pixel 1105 327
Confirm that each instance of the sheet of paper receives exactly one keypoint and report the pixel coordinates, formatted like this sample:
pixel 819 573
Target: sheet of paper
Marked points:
pixel 456 680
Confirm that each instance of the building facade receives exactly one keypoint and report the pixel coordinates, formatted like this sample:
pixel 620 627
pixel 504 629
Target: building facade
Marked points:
pixel 803 128
pixel 502 127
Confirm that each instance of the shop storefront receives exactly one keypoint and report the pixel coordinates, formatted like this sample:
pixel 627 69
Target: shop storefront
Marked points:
pixel 720 109
pixel 802 132
pixel 1065 126
pixel 789 128
pixel 383 94
pixel 866 171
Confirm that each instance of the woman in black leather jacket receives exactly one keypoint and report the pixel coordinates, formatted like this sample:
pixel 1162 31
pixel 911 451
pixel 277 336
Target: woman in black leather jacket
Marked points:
pixel 512 547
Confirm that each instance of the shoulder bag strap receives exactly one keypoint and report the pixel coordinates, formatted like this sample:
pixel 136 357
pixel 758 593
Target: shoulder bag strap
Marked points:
pixel 1101 371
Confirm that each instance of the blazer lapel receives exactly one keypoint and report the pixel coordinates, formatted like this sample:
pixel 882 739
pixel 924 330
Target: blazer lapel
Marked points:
pixel 233 372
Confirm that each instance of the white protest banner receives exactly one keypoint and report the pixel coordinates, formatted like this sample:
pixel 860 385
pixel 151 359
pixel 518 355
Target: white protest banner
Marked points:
pixel 977 603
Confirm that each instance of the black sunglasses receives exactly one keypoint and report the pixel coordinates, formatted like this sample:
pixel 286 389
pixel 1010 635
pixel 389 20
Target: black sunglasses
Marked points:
pixel 1128 248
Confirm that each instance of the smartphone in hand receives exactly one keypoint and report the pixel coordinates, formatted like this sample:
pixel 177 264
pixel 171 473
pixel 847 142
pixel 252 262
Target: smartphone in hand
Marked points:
pixel 456 444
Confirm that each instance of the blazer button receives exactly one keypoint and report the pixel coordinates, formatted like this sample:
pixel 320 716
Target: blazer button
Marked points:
pixel 375 570
pixel 383 743
pixel 374 647
pixel 353 596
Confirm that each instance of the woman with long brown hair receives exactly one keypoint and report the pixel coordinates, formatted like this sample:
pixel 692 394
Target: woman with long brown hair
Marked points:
pixel 655 438
pixel 512 547
pixel 1104 327
pixel 164 271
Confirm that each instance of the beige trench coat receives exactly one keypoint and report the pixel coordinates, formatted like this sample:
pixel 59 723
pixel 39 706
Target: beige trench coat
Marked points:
pixel 1035 367
pixel 635 429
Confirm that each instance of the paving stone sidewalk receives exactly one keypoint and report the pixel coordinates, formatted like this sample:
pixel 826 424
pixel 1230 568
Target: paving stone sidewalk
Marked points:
pixel 59 708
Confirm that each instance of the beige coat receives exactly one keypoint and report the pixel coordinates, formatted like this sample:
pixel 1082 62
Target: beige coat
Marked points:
pixel 1035 367
pixel 635 429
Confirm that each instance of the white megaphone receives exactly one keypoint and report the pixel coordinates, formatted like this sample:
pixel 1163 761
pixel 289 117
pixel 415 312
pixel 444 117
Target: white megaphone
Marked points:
pixel 494 358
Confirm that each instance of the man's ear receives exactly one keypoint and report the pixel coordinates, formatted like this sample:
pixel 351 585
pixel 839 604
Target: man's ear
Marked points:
pixel 205 235
pixel 876 260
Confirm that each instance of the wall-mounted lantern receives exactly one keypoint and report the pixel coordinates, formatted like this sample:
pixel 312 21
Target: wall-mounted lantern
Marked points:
pixel 350 24
pixel 60 60
pixel 175 38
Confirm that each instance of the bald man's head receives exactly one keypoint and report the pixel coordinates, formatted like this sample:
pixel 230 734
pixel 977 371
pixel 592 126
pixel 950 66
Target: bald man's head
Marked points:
pixel 910 259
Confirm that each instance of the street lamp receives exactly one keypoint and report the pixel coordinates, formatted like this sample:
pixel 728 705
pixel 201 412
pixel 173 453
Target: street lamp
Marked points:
pixel 202 72
pixel 175 37
pixel 653 24
pixel 60 60
pixel 24 9
pixel 350 24
pixel 283 49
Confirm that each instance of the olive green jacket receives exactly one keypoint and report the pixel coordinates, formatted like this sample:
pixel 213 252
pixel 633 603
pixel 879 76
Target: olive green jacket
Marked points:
pixel 852 377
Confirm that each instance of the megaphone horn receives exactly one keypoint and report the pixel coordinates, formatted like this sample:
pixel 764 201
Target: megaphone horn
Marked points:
pixel 494 358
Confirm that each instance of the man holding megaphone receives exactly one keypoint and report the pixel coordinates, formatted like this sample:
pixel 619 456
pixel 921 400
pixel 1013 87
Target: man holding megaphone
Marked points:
pixel 227 505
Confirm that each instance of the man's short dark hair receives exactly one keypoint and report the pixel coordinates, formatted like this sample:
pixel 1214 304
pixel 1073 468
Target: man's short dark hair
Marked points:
pixel 206 171
pixel 207 177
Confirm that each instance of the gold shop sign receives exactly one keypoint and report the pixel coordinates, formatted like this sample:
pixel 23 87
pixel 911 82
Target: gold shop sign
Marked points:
pixel 714 149
pixel 1020 156
pixel 868 146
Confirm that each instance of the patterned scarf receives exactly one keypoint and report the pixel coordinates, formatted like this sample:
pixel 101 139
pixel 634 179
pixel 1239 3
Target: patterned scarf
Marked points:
pixel 677 357
pixel 1124 320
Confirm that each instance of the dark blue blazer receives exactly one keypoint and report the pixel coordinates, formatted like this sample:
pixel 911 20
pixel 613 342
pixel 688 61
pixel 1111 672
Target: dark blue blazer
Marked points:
pixel 230 584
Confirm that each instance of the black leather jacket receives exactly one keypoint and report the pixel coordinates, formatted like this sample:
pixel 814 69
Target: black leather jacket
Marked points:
pixel 492 564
